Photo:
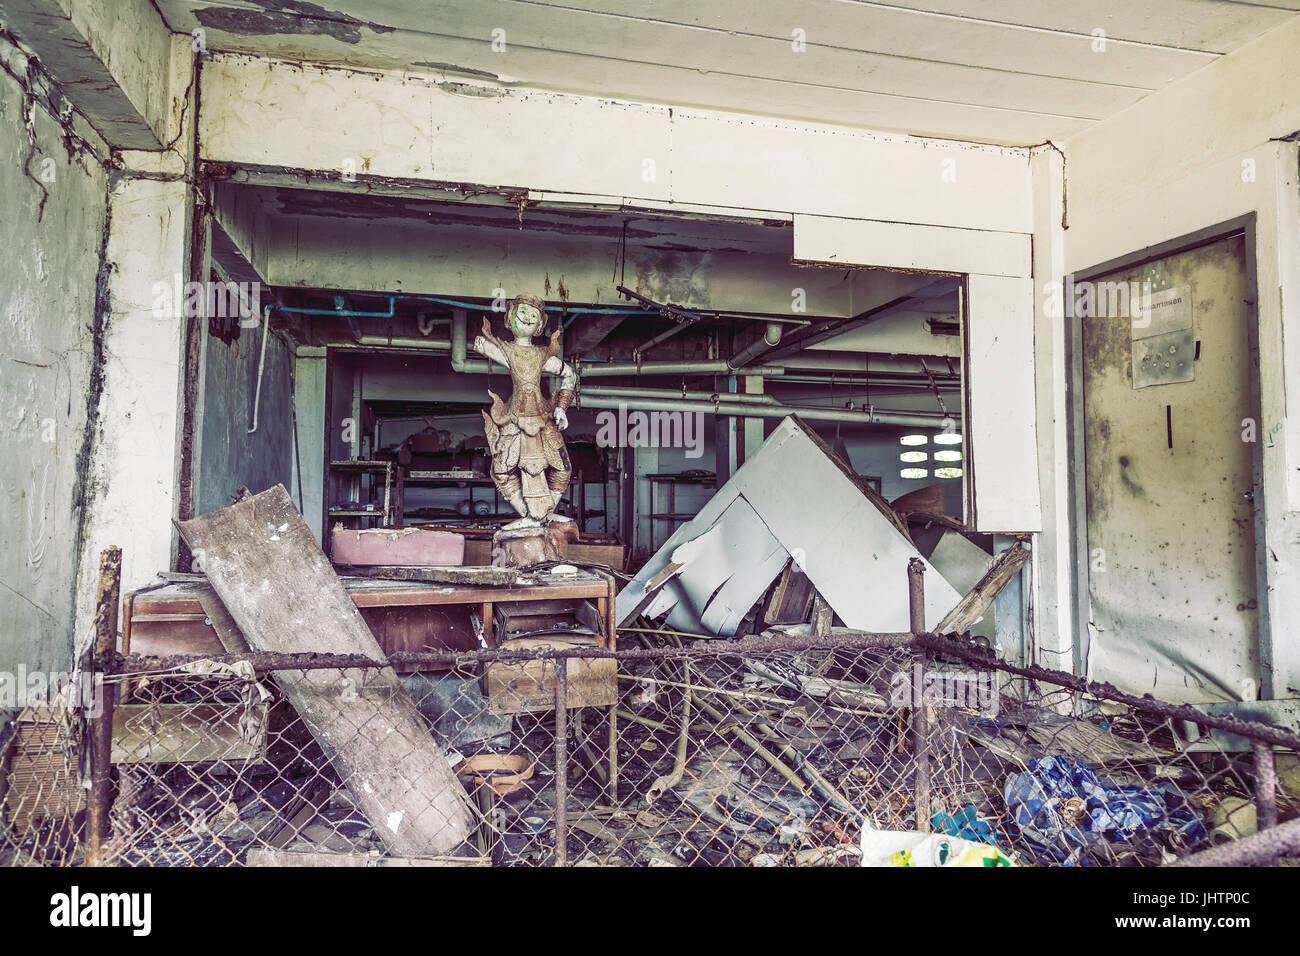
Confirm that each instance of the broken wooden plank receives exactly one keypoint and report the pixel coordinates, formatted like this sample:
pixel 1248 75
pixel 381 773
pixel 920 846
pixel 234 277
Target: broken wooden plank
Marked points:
pixel 822 616
pixel 304 811
pixel 516 687
pixel 928 500
pixel 281 591
pixel 791 598
pixel 972 607
pixel 482 575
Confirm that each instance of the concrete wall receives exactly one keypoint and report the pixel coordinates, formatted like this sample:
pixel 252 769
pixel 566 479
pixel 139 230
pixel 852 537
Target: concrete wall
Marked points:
pixel 1204 151
pixel 48 295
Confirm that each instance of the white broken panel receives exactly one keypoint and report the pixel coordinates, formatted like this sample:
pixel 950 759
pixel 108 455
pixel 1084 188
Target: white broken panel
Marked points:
pixel 853 554
pixel 724 572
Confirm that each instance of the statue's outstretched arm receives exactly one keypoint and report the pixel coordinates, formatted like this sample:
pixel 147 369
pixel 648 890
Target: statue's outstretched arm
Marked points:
pixel 568 381
pixel 487 346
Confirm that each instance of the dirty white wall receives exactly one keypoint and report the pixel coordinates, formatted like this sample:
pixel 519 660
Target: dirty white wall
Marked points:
pixel 81 311
pixel 136 442
pixel 264 113
pixel 48 293
pixel 1218 145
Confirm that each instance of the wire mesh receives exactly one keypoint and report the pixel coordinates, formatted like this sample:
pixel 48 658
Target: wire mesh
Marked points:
pixel 662 754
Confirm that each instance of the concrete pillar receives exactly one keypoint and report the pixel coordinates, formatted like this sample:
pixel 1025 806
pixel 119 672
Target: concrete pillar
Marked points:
pixel 133 455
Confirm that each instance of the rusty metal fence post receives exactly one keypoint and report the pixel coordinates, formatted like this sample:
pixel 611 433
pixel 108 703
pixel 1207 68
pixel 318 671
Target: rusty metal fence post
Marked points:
pixel 1265 788
pixel 920 728
pixel 561 760
pixel 101 723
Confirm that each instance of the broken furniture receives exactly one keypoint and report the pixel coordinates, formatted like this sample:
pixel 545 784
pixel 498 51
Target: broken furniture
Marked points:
pixel 185 617
pixel 370 495
pixel 403 616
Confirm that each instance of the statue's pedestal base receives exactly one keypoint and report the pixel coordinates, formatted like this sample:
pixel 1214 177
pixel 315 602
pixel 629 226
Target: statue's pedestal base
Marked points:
pixel 523 547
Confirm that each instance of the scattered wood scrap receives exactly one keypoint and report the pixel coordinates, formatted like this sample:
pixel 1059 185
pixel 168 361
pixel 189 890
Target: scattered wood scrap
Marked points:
pixel 791 598
pixel 972 607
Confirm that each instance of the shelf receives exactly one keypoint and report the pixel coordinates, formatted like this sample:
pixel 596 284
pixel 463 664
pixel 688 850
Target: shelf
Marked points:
pixel 466 476
pixel 360 465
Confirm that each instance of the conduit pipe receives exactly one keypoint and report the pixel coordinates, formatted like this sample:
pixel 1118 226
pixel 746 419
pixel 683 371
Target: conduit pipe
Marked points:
pixel 742 410
pixel 261 366
pixel 770 340
pixel 717 367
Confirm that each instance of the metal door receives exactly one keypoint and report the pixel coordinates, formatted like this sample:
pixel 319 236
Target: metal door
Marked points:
pixel 1169 454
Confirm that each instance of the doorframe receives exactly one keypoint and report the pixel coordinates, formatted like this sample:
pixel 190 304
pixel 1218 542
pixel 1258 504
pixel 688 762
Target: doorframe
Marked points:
pixel 1080 610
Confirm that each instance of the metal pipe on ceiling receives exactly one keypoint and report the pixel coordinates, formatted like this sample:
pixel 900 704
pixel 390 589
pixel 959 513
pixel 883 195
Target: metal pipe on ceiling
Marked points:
pixel 343 313
pixel 741 410
pixel 668 393
pixel 770 339
pixel 826 360
pixel 716 367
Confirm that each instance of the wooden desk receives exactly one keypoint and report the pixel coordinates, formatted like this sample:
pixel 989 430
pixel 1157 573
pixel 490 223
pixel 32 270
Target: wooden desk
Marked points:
pixel 174 621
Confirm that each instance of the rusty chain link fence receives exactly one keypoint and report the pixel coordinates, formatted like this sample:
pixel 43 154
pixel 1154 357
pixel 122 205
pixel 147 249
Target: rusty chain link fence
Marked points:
pixel 771 751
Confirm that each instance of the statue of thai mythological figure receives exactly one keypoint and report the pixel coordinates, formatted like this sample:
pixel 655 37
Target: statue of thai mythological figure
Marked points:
pixel 530 464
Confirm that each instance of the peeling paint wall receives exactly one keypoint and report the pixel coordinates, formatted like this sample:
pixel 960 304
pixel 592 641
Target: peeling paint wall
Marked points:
pixel 48 279
pixel 133 460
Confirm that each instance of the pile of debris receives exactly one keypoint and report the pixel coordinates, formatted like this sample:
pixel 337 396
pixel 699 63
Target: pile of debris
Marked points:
pixel 797 512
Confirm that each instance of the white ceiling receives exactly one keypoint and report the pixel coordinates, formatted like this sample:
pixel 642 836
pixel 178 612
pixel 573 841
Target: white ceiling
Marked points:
pixel 1012 72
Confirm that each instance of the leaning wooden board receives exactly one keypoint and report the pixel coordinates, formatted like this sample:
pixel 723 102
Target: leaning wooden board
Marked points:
pixel 261 558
